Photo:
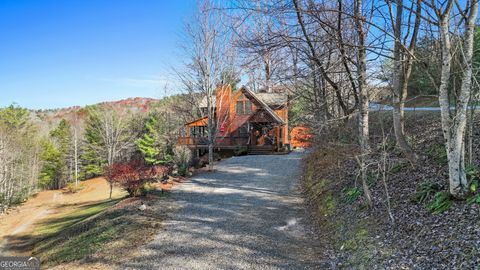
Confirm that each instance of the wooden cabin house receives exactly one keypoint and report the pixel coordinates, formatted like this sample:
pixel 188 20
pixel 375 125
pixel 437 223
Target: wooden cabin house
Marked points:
pixel 257 122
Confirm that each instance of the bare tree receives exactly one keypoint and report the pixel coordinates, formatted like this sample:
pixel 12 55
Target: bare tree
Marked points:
pixel 362 92
pixel 114 133
pixel 340 58
pixel 454 121
pixel 326 60
pixel 209 49
pixel 19 156
pixel 258 37
pixel 406 24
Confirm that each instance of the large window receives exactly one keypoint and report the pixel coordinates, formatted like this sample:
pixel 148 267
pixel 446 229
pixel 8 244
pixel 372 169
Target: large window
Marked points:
pixel 248 107
pixel 244 105
pixel 239 107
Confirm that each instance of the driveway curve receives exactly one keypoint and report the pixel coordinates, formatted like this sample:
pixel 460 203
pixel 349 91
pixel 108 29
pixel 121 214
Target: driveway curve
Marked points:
pixel 248 214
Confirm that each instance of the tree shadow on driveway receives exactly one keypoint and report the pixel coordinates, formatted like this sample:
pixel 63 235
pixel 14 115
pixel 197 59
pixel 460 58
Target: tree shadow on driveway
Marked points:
pixel 246 215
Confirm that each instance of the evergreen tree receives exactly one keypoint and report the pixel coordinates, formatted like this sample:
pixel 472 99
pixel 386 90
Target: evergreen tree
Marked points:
pixel 154 148
pixel 50 175
pixel 62 137
pixel 56 152
pixel 92 162
pixel 14 117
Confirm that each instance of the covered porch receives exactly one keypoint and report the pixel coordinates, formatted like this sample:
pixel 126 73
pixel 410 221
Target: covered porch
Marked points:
pixel 258 133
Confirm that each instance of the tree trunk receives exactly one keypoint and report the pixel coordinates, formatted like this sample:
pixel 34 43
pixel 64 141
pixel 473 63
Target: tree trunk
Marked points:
pixel 210 156
pixel 402 70
pixel 399 129
pixel 454 123
pixel 211 129
pixel 268 75
pixel 456 168
pixel 362 80
pixel 363 132
pixel 470 133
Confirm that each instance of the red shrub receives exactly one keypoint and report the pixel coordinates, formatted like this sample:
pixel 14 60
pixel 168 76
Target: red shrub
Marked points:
pixel 134 174
pixel 301 137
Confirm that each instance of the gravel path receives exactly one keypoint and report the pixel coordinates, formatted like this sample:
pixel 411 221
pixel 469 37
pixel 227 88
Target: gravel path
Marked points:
pixel 246 215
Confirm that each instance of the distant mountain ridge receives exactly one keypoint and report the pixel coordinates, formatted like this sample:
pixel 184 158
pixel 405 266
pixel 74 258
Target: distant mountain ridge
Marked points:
pixel 133 102
pixel 51 117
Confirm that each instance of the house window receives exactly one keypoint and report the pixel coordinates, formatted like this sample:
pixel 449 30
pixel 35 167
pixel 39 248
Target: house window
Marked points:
pixel 248 107
pixel 239 107
pixel 244 106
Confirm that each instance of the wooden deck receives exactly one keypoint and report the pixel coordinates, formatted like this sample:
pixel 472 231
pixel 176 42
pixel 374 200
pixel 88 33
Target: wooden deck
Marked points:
pixel 224 143
pixel 230 143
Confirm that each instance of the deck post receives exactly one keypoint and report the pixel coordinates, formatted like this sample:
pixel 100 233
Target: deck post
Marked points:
pixel 278 137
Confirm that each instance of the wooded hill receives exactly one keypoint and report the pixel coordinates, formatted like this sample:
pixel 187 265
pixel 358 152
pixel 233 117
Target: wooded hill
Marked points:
pixel 413 223
pixel 51 149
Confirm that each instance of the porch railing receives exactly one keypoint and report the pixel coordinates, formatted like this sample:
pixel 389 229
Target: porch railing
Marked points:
pixel 219 141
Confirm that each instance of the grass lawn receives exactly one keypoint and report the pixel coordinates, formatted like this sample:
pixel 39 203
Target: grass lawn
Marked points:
pixel 63 220
pixel 102 231
pixel 73 234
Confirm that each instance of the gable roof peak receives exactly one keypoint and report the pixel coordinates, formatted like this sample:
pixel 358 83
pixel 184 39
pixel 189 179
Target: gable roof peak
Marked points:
pixel 247 92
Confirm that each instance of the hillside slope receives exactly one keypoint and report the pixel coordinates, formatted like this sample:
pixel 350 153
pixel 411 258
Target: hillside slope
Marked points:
pixel 413 236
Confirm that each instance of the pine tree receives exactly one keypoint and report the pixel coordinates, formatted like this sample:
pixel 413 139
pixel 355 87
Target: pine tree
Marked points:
pixel 92 163
pixel 14 117
pixel 51 159
pixel 56 152
pixel 150 144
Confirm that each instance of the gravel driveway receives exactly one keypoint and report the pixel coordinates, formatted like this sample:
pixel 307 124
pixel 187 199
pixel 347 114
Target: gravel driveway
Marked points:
pixel 247 214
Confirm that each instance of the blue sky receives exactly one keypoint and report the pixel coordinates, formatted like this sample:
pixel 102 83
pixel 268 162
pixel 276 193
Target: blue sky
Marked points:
pixel 57 53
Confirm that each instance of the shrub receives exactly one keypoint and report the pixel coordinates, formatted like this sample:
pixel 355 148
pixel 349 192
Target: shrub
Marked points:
pixel 352 194
pixel 133 175
pixel 474 199
pixel 72 188
pixel 441 202
pixel 474 185
pixel 473 175
pixel 438 153
pixel 398 167
pixel 388 144
pixel 436 201
pixel 183 156
pixel 424 191
pixel 195 162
